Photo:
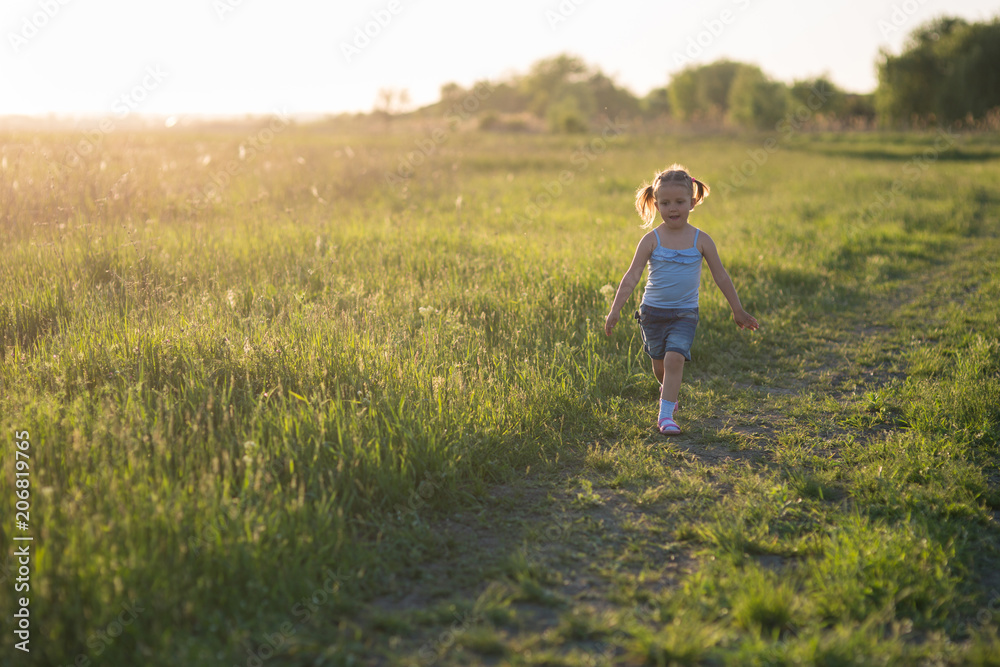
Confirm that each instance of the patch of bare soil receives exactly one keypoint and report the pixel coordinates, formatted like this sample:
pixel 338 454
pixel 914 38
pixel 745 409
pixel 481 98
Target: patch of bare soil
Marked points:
pixel 582 551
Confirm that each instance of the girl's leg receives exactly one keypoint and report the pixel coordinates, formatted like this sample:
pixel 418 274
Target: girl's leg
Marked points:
pixel 658 370
pixel 673 371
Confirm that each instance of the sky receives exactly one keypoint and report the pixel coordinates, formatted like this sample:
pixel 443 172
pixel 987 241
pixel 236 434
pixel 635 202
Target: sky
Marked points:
pixel 234 57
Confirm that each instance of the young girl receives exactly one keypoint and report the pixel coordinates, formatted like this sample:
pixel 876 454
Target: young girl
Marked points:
pixel 668 315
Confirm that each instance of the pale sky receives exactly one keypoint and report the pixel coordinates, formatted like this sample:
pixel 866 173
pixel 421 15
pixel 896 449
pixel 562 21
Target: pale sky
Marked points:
pixel 308 56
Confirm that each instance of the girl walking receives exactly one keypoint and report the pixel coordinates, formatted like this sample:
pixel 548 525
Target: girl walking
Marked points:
pixel 674 250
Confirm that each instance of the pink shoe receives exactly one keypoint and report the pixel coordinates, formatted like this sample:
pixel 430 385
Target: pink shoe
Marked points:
pixel 668 426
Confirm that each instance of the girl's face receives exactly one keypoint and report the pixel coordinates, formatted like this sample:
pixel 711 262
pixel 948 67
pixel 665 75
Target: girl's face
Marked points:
pixel 673 201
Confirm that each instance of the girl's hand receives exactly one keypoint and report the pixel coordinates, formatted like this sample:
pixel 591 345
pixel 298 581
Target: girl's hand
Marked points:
pixel 610 321
pixel 745 320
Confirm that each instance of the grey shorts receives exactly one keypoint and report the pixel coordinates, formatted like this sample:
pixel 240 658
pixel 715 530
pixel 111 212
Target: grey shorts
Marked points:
pixel 667 330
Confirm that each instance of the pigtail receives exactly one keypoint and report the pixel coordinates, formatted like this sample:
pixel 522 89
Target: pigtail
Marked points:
pixel 699 191
pixel 645 204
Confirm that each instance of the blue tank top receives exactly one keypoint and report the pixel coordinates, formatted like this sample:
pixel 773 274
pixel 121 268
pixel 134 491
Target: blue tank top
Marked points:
pixel 674 276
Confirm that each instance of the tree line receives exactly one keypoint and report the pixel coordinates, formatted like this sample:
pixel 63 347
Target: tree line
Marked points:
pixel 948 73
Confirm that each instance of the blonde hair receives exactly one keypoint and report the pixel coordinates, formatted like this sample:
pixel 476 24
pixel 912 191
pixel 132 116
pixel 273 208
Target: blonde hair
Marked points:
pixel 645 197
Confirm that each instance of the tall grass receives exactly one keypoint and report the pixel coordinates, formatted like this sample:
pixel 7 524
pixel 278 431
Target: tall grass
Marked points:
pixel 240 398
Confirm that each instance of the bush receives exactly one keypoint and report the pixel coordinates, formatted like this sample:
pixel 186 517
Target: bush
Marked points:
pixel 756 101
pixel 566 116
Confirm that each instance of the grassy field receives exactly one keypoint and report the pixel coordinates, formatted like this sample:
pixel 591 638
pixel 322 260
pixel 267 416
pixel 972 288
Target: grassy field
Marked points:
pixel 297 395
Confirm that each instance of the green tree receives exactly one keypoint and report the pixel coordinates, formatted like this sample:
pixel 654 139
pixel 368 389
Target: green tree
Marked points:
pixel 703 92
pixel 506 98
pixel 947 71
pixel 656 103
pixel 549 79
pixel 715 84
pixel 859 106
pixel 566 115
pixel 972 83
pixel 570 95
pixel 609 99
pixel 683 94
pixel 819 95
pixel 452 94
pixel 755 100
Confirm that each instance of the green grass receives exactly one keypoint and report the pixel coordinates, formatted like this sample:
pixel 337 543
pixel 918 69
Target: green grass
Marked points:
pixel 321 420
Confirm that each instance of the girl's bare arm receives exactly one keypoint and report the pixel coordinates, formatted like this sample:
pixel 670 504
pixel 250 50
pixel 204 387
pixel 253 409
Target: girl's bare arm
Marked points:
pixel 631 278
pixel 744 320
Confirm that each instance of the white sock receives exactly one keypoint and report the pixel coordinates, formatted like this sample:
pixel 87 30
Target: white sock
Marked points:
pixel 667 409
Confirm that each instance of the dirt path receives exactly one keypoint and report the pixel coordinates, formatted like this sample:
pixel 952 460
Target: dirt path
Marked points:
pixel 554 563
